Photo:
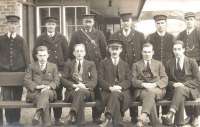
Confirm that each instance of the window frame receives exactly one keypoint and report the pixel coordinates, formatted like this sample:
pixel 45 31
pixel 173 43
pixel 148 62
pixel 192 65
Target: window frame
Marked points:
pixel 38 24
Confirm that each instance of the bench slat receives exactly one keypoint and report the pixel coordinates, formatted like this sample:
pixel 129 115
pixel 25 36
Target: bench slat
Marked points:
pixel 23 104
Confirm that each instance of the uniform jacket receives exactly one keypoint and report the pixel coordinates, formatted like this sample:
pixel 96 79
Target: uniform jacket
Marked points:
pixel 34 77
pixel 192 43
pixel 94 52
pixel 14 54
pixel 132 45
pixel 192 75
pixel 157 69
pixel 89 74
pixel 57 46
pixel 163 46
pixel 106 75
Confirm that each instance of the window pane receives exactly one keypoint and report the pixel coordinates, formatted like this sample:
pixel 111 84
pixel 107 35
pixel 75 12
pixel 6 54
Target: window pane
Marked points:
pixel 55 12
pixel 70 30
pixel 80 11
pixel 44 12
pixel 70 16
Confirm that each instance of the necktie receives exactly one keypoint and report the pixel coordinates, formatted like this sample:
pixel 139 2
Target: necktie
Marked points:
pixel 178 64
pixel 148 66
pixel 11 35
pixel 79 66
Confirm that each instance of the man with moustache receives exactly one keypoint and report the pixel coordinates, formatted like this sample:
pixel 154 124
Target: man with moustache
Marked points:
pixel 14 58
pixel 95 44
pixel 58 50
pixel 115 81
pixel 132 46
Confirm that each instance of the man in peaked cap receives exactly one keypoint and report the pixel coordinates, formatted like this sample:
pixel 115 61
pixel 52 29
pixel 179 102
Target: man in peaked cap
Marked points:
pixel 95 43
pixel 58 49
pixel 115 81
pixel 14 58
pixel 132 47
pixel 191 38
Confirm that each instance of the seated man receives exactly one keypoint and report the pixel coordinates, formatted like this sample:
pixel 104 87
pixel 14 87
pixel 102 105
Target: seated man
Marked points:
pixel 149 82
pixel 115 81
pixel 184 81
pixel 79 79
pixel 41 80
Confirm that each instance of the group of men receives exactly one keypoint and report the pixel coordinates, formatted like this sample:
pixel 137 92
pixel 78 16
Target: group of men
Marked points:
pixel 113 73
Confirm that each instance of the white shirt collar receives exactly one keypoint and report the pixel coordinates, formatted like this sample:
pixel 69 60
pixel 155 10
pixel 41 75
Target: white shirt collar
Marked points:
pixel 145 62
pixel 115 60
pixel 126 33
pixel 81 61
pixel 161 34
pixel 13 34
pixel 51 34
pixel 189 31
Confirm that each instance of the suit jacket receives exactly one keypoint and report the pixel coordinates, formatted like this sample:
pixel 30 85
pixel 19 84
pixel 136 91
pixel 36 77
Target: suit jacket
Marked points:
pixel 106 75
pixel 89 74
pixel 132 45
pixel 192 75
pixel 95 52
pixel 14 54
pixel 192 41
pixel 157 69
pixel 57 46
pixel 162 46
pixel 34 77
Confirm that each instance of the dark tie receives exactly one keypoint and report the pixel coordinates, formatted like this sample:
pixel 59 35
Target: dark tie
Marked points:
pixel 178 64
pixel 79 66
pixel 148 67
pixel 11 35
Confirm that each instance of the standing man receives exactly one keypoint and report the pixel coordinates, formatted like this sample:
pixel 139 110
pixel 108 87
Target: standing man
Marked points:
pixel 161 40
pixel 95 44
pixel 132 46
pixel 58 50
pixel 150 81
pixel 80 79
pixel 184 81
pixel 14 58
pixel 41 80
pixel 191 37
pixel 115 81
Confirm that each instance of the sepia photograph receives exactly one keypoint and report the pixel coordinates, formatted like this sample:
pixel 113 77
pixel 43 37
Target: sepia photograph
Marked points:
pixel 99 63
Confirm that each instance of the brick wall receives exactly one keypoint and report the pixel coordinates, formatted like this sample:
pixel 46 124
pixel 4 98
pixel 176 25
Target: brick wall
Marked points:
pixel 8 7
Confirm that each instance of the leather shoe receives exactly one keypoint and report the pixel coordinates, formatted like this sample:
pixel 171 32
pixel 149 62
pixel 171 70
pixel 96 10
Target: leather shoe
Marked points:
pixel 36 117
pixel 106 123
pixel 168 119
pixel 58 122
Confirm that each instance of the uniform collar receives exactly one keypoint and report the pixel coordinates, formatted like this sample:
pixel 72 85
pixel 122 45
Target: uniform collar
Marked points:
pixel 51 34
pixel 161 34
pixel 13 34
pixel 126 33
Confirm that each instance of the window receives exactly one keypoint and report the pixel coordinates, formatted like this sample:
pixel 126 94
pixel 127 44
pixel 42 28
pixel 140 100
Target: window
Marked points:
pixel 72 19
pixel 44 11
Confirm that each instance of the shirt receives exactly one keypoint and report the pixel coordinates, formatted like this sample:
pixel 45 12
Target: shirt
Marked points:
pixel 115 61
pixel 181 62
pixel 13 34
pixel 126 33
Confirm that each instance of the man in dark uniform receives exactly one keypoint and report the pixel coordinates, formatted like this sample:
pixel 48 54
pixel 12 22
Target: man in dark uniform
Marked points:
pixel 14 58
pixel 161 40
pixel 41 80
pixel 115 81
pixel 132 46
pixel 58 50
pixel 80 79
pixel 191 37
pixel 95 43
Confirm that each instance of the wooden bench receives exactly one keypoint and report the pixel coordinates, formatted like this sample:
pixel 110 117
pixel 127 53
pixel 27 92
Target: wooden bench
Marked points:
pixel 16 78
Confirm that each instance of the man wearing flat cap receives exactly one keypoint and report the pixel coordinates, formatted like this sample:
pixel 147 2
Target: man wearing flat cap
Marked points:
pixel 191 38
pixel 14 58
pixel 95 43
pixel 115 81
pixel 58 50
pixel 132 41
